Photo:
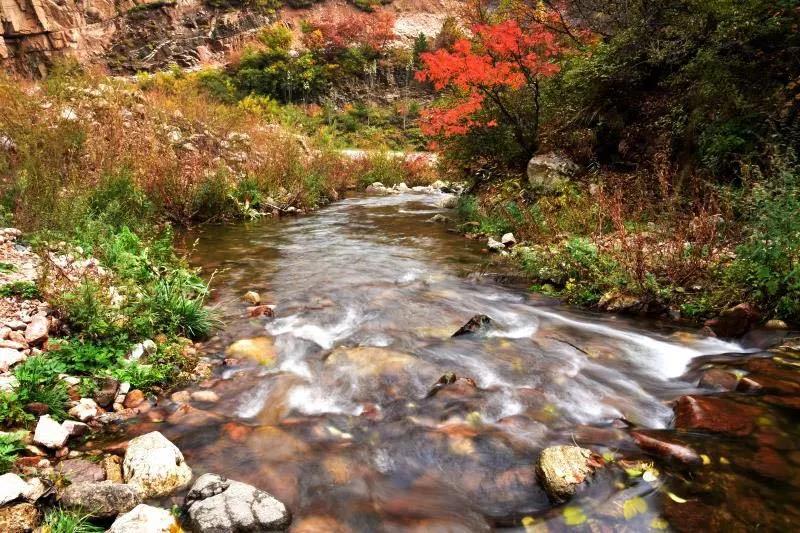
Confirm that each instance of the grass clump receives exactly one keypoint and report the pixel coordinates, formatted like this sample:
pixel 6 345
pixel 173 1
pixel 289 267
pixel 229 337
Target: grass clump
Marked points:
pixel 60 520
pixel 25 290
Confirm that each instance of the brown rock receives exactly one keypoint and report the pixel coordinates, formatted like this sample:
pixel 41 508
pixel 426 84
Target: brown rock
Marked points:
pixel 17 336
pixel 734 322
pixel 20 518
pixel 718 379
pixel 108 391
pixel 112 465
pixel 37 331
pixel 661 446
pixel 260 310
pixel 134 399
pixel 755 383
pixel 81 470
pixel 561 469
pixel 37 408
pixel 718 415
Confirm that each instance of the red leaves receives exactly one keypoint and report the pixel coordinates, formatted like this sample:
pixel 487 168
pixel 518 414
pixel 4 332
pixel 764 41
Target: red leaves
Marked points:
pixel 336 32
pixel 500 57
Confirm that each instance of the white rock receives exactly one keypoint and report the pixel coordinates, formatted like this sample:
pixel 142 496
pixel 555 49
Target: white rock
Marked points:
pixel 495 245
pixel 12 487
pixel 124 387
pixel 144 519
pixel 508 240
pixel 155 466
pixel 8 383
pixel 50 433
pixel 36 489
pixel 10 357
pixel 402 187
pixel 86 409
pixel 208 396
pixel 150 347
pixel 136 352
pixel 71 381
pixel 75 429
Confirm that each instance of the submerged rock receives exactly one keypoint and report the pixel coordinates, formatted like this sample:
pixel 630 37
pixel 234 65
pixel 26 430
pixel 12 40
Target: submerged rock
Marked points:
pixel 145 518
pixel 155 466
pixel 252 297
pixel 662 446
pixel 258 349
pixel 476 324
pixel 104 499
pixel 561 469
pixel 218 505
pixel 717 415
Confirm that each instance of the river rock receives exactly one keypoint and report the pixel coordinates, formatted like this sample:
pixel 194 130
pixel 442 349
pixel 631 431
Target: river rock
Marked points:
pixel 205 396
pixel 81 471
pixel 20 518
pixel 495 246
pixel 719 379
pixel 561 469
pixel 717 415
pixel 477 324
pixel 50 433
pixel 10 357
pixel 548 172
pixel 75 429
pixel 104 499
pixel 36 331
pixel 439 218
pixel 734 322
pixel 12 487
pixel 218 505
pixel 133 399
pixel 256 311
pixel 145 518
pixel 107 393
pixel 661 446
pixel 259 349
pixel 112 466
pixel 508 240
pixel 252 297
pixel 155 466
pixel 86 409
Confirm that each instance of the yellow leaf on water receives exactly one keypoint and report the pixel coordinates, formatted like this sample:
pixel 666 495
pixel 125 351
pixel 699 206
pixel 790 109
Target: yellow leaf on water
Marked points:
pixel 634 507
pixel 609 457
pixel 634 472
pixel 573 515
pixel 674 497
pixel 659 523
pixel 706 459
pixel 528 521
pixel 724 461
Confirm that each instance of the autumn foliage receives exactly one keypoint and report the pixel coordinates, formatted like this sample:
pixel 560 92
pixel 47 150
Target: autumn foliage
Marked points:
pixel 492 80
pixel 336 32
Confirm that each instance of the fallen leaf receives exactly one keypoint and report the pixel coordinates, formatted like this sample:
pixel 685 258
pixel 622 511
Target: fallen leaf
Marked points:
pixel 674 497
pixel 573 516
pixel 634 507
pixel 659 523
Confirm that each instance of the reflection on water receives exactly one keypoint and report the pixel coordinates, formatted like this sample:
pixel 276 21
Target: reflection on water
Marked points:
pixel 367 294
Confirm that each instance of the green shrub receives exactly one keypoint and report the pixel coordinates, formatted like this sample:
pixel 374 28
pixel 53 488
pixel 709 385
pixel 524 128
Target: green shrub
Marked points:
pixel 10 445
pixel 25 290
pixel 767 265
pixel 39 382
pixel 11 412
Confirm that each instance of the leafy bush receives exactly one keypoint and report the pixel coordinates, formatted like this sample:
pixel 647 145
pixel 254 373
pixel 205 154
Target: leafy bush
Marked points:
pixel 10 444
pixel 39 382
pixel 11 412
pixel 767 265
pixel 26 290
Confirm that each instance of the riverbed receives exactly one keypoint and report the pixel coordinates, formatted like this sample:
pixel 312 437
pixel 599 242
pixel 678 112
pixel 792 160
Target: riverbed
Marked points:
pixel 341 420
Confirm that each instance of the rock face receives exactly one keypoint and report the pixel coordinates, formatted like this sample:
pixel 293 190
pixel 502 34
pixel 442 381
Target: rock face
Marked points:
pixel 127 35
pixel 145 518
pixel 561 469
pixel 218 505
pixel 548 172
pixel 154 466
pixel 104 499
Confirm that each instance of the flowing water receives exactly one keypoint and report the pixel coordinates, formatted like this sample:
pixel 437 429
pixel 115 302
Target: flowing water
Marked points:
pixel 342 427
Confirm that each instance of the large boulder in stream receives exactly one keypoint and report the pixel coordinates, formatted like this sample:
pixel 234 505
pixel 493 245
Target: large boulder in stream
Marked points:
pixel 154 466
pixel 561 469
pixel 258 349
pixel 219 505
pixel 717 415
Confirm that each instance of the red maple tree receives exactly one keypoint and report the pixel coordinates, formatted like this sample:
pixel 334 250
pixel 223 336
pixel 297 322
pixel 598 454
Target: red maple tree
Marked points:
pixel 492 79
pixel 335 32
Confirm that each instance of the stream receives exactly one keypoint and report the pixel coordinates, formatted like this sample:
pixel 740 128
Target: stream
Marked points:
pixel 339 423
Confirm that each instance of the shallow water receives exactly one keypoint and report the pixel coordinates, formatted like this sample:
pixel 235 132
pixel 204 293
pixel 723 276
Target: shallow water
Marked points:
pixel 367 295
